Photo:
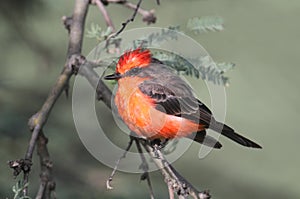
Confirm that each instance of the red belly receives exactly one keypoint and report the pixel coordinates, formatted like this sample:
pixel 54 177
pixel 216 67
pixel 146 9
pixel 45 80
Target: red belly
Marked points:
pixel 139 113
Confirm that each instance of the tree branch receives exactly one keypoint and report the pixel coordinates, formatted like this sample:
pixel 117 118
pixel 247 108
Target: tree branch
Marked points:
pixel 124 24
pixel 77 27
pixel 145 167
pixel 103 92
pixel 38 120
pixel 148 16
pixel 173 179
pixel 47 184
pixel 105 14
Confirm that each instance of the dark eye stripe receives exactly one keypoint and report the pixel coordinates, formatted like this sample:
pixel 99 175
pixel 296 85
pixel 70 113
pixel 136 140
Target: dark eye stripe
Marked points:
pixel 133 71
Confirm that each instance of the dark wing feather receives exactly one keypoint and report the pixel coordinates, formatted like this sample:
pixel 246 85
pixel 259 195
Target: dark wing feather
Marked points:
pixel 172 93
pixel 176 104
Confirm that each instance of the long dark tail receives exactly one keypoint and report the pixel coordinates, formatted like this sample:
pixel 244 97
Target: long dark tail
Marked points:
pixel 207 140
pixel 229 132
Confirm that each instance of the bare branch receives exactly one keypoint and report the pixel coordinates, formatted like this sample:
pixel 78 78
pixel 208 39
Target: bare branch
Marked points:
pixel 124 24
pixel 148 16
pixel 145 167
pixel 173 179
pixel 77 27
pixel 38 120
pixel 171 192
pixel 103 92
pixel 105 14
pixel 108 182
pixel 47 184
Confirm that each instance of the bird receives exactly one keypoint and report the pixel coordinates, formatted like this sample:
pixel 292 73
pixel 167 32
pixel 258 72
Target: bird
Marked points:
pixel 157 104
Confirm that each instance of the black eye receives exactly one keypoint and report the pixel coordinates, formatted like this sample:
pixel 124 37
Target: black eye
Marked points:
pixel 135 70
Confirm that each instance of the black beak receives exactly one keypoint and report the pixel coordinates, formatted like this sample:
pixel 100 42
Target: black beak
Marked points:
pixel 114 76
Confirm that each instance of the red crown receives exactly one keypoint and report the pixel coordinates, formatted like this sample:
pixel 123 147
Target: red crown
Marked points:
pixel 135 58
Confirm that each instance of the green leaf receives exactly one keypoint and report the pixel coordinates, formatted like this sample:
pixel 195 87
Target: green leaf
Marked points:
pixel 157 38
pixel 96 32
pixel 205 24
pixel 18 189
pixel 204 67
pixel 224 67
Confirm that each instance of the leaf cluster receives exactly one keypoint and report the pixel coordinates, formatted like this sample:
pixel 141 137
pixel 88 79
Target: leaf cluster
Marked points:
pixel 18 190
pixel 205 24
pixel 96 32
pixel 200 67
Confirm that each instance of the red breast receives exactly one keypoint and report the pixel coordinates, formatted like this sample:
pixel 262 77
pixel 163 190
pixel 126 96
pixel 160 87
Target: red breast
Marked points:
pixel 139 113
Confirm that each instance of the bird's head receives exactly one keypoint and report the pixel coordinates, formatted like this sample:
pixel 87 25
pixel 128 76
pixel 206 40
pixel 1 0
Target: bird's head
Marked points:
pixel 137 58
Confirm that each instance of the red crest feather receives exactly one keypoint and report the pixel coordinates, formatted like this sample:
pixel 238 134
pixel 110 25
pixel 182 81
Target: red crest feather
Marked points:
pixel 135 58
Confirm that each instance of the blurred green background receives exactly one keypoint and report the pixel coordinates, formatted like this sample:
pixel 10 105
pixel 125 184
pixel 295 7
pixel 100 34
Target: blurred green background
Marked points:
pixel 261 37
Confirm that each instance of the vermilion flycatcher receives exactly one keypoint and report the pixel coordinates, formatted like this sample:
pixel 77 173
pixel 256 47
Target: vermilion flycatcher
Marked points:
pixel 155 103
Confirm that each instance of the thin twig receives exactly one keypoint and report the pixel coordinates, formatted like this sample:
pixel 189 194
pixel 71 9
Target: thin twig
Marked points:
pixel 145 167
pixel 105 14
pixel 124 24
pixel 108 182
pixel 148 16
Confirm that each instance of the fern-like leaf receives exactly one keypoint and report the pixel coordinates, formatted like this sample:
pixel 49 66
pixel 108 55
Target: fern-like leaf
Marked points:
pixel 96 32
pixel 203 67
pixel 18 189
pixel 205 24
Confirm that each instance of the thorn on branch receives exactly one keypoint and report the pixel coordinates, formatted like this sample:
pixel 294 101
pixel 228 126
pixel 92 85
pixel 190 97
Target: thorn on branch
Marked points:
pixel 75 62
pixel 67 89
pixel 67 21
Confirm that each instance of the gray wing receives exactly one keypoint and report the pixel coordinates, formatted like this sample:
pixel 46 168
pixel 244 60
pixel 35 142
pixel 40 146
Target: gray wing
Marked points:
pixel 173 95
